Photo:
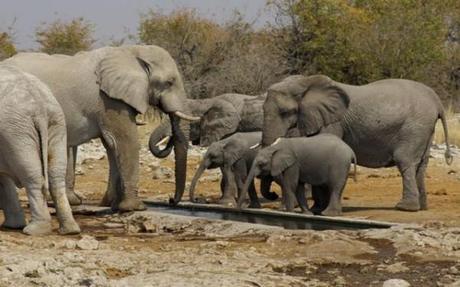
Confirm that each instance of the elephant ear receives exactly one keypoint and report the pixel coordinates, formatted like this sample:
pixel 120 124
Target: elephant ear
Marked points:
pixel 233 152
pixel 124 77
pixel 220 120
pixel 281 160
pixel 321 105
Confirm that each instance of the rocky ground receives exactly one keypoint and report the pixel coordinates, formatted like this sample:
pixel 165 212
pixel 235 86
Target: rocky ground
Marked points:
pixel 152 249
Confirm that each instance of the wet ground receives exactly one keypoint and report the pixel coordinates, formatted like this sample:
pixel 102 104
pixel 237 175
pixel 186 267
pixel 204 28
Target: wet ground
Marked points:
pixel 151 249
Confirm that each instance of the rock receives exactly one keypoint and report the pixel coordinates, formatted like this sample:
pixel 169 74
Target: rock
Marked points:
pixel 396 283
pixel 88 243
pixel 70 244
pixel 396 268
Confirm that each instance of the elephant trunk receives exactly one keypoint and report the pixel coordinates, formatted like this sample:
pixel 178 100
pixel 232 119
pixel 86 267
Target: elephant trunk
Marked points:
pixel 265 184
pixel 161 132
pixel 203 166
pixel 180 140
pixel 244 193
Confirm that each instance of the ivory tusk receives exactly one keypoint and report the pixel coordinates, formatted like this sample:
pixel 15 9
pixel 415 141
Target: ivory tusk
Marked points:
pixel 255 146
pixel 276 142
pixel 165 139
pixel 186 117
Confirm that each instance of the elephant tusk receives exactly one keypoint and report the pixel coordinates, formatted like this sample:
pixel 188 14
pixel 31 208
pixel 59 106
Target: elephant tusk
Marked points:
pixel 186 117
pixel 255 146
pixel 276 142
pixel 165 139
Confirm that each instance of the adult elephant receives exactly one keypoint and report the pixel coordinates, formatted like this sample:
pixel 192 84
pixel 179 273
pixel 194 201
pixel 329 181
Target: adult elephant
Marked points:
pixel 101 92
pixel 386 123
pixel 221 116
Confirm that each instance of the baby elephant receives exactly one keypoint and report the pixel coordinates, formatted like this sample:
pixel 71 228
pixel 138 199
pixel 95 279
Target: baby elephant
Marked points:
pixel 32 153
pixel 234 156
pixel 323 161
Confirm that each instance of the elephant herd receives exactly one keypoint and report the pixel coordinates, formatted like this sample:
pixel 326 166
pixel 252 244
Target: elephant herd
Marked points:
pixel 304 131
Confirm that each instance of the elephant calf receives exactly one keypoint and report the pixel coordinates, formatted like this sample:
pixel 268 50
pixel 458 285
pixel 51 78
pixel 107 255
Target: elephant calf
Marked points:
pixel 32 153
pixel 323 161
pixel 234 156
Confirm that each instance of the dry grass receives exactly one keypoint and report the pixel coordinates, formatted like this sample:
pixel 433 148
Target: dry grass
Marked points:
pixel 453 123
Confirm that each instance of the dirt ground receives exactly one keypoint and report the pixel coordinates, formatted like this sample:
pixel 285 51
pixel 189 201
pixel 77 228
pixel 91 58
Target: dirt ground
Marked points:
pixel 148 249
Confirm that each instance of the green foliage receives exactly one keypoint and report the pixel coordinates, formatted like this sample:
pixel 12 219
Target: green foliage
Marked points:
pixel 65 37
pixel 366 40
pixel 7 48
pixel 213 58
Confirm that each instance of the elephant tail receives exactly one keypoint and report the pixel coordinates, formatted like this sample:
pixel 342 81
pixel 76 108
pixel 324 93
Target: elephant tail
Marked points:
pixel 447 155
pixel 42 129
pixel 355 162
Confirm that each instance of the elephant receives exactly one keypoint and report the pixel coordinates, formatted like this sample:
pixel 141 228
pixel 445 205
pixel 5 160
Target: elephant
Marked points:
pixel 101 92
pixel 386 123
pixel 322 161
pixel 32 153
pixel 221 116
pixel 234 156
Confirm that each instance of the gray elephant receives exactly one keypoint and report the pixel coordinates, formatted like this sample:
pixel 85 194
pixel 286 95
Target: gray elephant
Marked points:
pixel 221 116
pixel 32 153
pixel 234 156
pixel 322 161
pixel 101 92
pixel 386 123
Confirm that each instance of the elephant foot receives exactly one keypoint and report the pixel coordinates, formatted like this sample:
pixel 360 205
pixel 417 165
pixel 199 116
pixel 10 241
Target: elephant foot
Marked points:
pixel 331 212
pixel 14 223
pixel 38 228
pixel 408 205
pixel 106 201
pixel 307 212
pixel 73 198
pixel 69 228
pixel 255 204
pixel 131 204
pixel 231 202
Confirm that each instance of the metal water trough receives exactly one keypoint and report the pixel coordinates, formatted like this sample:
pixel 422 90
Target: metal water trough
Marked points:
pixel 286 220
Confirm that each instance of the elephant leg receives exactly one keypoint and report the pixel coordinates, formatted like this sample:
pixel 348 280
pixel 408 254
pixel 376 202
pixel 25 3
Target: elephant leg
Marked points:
pixel 410 197
pixel 118 126
pixel 241 174
pixel 320 195
pixel 114 191
pixel 73 198
pixel 57 182
pixel 334 208
pixel 420 177
pixel 14 214
pixel 289 181
pixel 229 193
pixel 301 199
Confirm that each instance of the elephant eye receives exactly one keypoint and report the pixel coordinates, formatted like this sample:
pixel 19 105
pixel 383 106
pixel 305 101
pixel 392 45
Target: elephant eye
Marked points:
pixel 170 82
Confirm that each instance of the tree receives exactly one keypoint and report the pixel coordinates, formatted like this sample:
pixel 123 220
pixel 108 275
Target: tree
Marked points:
pixel 214 58
pixel 7 48
pixel 65 37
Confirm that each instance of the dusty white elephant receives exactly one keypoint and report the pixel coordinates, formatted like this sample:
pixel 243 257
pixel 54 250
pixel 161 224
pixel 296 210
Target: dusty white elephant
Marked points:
pixel 32 153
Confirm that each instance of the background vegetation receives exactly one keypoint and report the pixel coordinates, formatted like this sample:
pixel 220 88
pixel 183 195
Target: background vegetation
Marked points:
pixel 353 41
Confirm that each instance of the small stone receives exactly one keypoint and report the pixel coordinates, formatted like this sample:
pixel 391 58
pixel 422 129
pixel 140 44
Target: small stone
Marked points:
pixel 340 281
pixel 396 283
pixel 70 244
pixel 454 270
pixel 88 243
pixel 397 268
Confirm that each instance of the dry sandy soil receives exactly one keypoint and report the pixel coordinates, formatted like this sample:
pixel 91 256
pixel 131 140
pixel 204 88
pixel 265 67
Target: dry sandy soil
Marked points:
pixel 151 249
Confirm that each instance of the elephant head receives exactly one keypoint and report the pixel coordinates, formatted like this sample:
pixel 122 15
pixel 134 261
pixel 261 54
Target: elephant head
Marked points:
pixel 308 103
pixel 143 76
pixel 220 120
pixel 269 163
pixel 213 158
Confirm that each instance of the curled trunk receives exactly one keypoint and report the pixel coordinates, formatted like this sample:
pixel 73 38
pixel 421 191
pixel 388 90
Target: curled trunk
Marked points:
pixel 265 184
pixel 162 131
